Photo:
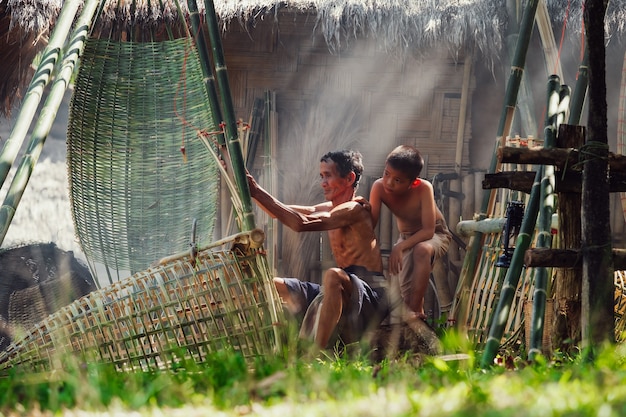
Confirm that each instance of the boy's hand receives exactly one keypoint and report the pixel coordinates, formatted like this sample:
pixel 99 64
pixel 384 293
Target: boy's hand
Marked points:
pixel 395 260
pixel 363 201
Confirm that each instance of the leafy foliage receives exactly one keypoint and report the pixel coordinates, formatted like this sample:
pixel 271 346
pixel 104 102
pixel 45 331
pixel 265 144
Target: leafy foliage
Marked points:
pixel 325 383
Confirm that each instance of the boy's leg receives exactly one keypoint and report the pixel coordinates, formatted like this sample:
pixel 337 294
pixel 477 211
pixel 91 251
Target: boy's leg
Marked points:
pixel 422 266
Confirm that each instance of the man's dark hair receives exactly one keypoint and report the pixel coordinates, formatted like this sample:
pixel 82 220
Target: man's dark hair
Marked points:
pixel 407 159
pixel 346 161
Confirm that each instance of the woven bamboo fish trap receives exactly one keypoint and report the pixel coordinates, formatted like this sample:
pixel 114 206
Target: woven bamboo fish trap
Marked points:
pixel 138 173
pixel 620 305
pixel 185 308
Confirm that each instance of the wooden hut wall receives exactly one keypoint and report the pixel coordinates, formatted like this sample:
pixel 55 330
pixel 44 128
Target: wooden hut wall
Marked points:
pixel 381 99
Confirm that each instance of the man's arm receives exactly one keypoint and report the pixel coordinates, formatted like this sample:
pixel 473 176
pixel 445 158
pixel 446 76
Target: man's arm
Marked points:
pixel 304 218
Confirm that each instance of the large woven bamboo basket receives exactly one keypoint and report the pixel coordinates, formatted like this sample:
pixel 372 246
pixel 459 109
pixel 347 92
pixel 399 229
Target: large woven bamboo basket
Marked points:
pixel 184 308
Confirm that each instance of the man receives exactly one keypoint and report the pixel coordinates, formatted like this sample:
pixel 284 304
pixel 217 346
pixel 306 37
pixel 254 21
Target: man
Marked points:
pixel 351 298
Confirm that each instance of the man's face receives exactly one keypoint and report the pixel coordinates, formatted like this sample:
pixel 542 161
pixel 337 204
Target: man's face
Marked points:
pixel 395 181
pixel 332 183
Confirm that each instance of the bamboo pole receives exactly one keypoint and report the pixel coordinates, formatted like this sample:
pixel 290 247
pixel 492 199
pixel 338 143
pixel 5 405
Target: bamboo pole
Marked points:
pixel 580 90
pixel 216 113
pixel 233 141
pixel 517 71
pixel 544 238
pixel 205 61
pixel 506 118
pixel 550 50
pixel 36 87
pixel 48 114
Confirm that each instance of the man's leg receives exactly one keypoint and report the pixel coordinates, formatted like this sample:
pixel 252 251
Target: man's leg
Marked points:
pixel 295 307
pixel 337 288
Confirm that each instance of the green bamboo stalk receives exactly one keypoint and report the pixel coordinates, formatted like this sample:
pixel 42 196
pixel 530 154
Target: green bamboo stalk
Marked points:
pixel 233 141
pixel 558 100
pixel 268 169
pixel 544 238
pixel 517 69
pixel 580 90
pixel 205 60
pixel 48 113
pixel 36 87
pixel 515 78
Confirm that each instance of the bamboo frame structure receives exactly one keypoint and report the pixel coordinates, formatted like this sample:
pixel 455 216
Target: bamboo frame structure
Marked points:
pixel 460 307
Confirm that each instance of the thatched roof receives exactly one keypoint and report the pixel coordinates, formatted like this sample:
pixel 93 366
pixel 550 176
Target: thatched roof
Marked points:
pixel 395 24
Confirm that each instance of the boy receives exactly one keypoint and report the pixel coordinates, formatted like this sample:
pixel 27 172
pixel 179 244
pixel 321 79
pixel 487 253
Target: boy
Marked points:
pixel 424 235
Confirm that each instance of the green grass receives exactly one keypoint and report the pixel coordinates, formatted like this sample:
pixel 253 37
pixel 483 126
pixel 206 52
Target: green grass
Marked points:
pixel 331 384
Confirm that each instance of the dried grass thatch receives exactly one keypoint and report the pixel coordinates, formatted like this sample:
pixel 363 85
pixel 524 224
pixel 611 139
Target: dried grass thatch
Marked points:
pixel 18 49
pixel 407 25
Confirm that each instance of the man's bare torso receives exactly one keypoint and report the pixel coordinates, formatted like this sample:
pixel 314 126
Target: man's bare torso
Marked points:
pixel 355 244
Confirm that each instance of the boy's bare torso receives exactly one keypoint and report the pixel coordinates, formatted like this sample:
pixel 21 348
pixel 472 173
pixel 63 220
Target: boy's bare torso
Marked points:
pixel 407 208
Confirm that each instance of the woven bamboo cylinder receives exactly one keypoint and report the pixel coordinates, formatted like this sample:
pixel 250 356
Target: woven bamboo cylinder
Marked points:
pixel 138 174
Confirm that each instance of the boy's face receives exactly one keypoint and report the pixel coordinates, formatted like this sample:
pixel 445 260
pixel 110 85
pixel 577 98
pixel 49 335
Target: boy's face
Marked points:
pixel 396 181
pixel 332 183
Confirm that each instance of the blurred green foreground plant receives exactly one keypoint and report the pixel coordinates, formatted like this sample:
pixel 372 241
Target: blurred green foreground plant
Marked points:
pixel 307 384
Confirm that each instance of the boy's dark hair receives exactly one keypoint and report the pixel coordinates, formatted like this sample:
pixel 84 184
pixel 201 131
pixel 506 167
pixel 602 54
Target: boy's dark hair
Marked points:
pixel 407 159
pixel 347 161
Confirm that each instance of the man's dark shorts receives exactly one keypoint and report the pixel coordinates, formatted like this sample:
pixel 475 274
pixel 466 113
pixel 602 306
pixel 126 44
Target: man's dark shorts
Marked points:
pixel 368 306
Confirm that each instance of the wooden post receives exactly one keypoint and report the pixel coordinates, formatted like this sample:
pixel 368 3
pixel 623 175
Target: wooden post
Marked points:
pixel 568 282
pixel 598 286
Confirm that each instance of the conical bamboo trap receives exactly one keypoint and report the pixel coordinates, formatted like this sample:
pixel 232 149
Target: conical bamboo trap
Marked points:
pixel 183 309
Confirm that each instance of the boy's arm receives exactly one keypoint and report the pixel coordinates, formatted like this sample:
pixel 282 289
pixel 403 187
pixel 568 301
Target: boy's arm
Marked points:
pixel 375 201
